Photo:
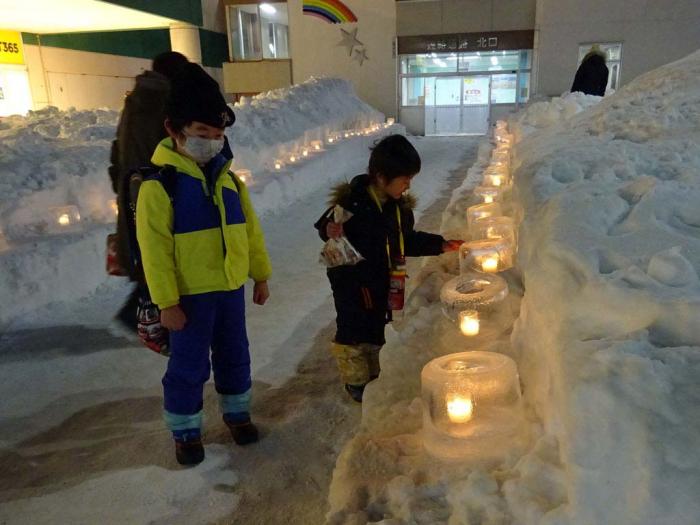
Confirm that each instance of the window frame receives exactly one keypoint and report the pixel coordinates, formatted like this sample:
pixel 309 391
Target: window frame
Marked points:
pixel 229 4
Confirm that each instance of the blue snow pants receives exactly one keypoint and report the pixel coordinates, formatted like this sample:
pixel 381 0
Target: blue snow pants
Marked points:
pixel 215 320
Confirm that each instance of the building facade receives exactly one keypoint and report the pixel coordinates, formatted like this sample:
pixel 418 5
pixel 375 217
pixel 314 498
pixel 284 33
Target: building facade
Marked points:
pixel 448 86
pixel 440 66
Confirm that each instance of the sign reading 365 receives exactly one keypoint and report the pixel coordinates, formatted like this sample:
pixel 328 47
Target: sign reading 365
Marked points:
pixel 11 51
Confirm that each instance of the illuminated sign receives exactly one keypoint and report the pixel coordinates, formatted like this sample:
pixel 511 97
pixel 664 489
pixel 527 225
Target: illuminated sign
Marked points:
pixel 11 48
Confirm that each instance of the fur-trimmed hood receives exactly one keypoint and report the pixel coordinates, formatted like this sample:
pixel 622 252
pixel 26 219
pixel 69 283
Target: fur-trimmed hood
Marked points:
pixel 357 188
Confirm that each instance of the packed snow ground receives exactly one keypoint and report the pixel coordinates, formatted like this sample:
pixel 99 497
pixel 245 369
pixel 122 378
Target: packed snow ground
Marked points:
pixel 81 434
pixel 607 336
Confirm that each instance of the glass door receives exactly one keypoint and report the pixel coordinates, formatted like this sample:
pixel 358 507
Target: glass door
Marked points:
pixel 443 101
pixel 476 100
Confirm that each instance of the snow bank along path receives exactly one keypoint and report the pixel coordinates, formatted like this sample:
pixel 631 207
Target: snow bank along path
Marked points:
pixel 607 339
pixel 52 159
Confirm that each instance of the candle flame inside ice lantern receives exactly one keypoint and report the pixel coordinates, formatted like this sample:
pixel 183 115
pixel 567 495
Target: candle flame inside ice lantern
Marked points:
pixel 65 216
pixel 279 164
pixel 305 152
pixel 459 408
pixel 490 264
pixel 469 322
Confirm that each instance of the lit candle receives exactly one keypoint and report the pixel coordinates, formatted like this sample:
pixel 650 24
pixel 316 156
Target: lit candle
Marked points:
pixel 305 152
pixel 469 322
pixel 278 164
pixel 496 180
pixel 292 158
pixel 459 408
pixel 490 264
pixel 64 219
pixel 331 140
pixel 488 199
pixel 390 121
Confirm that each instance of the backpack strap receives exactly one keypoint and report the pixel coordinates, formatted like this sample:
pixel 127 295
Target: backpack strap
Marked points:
pixel 167 176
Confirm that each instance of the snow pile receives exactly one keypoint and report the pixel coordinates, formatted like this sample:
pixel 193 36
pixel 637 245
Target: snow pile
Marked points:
pixel 52 159
pixel 607 339
pixel 554 112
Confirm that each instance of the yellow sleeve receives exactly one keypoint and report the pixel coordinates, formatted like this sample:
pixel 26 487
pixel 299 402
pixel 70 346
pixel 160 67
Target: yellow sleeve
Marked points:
pixel 154 231
pixel 259 260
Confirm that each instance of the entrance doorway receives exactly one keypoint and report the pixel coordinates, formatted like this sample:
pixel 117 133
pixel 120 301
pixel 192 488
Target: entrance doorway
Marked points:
pixel 457 105
pixel 15 94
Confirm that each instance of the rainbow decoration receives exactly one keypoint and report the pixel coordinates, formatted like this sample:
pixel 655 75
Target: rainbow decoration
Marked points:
pixel 332 11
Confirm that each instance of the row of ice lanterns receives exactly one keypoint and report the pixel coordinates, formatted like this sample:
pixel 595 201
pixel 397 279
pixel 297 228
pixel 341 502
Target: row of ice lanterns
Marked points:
pixel 493 240
pixel 316 146
pixel 65 217
pixel 471 400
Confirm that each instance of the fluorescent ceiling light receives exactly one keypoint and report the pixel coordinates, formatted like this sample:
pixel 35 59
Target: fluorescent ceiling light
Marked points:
pixel 268 9
pixel 71 16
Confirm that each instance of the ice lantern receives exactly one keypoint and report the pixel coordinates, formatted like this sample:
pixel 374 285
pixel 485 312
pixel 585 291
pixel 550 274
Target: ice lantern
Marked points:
pixel 471 293
pixel 495 228
pixel 64 217
pixel 481 211
pixel 471 405
pixel 486 255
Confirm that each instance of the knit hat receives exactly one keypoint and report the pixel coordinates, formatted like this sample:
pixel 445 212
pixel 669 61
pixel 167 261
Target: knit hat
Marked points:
pixel 194 95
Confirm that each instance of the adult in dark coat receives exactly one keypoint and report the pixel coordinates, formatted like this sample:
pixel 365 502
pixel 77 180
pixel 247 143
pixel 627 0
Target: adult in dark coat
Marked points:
pixel 592 75
pixel 140 129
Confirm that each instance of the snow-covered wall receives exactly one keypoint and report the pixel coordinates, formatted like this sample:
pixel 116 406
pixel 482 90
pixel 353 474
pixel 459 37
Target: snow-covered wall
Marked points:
pixel 610 322
pixel 53 158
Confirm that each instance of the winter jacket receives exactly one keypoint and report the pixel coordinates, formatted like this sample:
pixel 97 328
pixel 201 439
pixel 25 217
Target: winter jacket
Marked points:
pixel 207 239
pixel 139 131
pixel 361 291
pixel 592 75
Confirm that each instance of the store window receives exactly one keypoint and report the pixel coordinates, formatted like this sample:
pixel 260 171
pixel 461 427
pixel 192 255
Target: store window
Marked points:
pixel 613 52
pixel 258 31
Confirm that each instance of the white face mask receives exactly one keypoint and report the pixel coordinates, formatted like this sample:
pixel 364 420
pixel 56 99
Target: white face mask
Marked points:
pixel 202 150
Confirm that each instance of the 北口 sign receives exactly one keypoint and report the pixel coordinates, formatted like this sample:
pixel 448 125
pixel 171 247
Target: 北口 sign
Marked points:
pixel 11 48
pixel 466 42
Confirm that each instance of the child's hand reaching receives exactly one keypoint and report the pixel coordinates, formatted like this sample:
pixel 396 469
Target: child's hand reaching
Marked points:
pixel 261 292
pixel 451 246
pixel 173 318
pixel 334 230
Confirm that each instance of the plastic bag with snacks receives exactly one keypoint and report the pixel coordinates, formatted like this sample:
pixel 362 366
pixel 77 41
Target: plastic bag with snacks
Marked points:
pixel 339 252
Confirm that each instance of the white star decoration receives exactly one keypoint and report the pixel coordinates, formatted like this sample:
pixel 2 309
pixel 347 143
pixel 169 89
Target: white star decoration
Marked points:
pixel 360 55
pixel 349 40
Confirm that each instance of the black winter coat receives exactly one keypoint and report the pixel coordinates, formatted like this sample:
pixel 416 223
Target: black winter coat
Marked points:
pixel 361 291
pixel 140 129
pixel 592 75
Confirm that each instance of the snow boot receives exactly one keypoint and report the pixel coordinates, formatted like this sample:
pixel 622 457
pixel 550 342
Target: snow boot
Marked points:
pixel 188 446
pixel 355 391
pixel 243 431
